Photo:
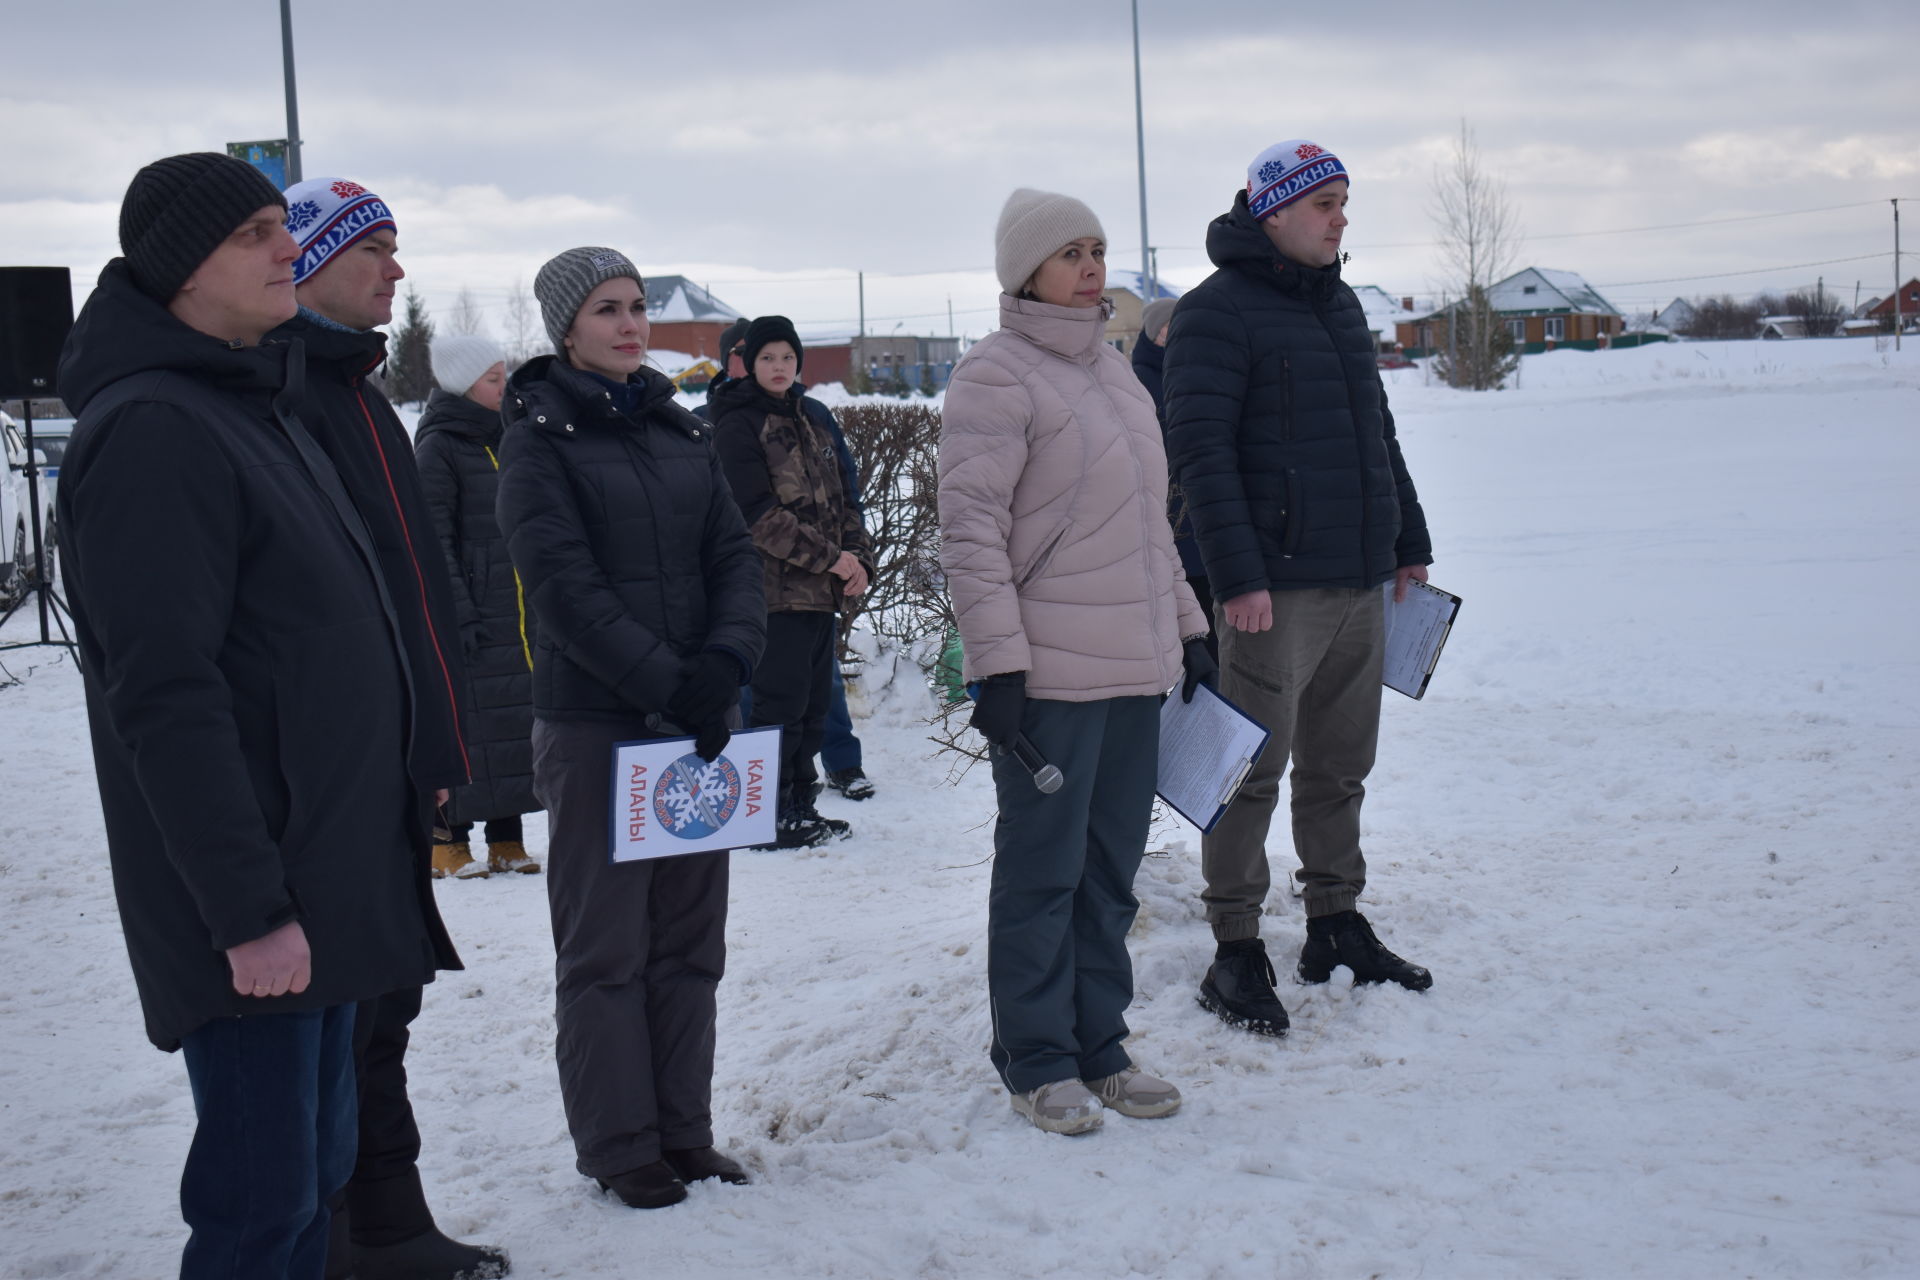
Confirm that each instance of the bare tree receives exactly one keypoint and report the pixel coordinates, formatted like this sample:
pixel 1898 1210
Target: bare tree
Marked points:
pixel 1478 234
pixel 465 315
pixel 1820 312
pixel 523 336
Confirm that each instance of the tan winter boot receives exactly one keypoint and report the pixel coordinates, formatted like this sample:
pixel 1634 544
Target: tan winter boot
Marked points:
pixel 456 860
pixel 511 855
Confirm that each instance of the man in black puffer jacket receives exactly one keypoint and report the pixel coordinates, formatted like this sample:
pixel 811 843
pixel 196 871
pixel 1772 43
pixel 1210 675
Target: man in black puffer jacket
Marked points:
pixel 344 282
pixel 1285 448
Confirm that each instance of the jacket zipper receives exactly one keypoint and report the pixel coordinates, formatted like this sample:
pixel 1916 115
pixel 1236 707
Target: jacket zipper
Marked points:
pixel 519 593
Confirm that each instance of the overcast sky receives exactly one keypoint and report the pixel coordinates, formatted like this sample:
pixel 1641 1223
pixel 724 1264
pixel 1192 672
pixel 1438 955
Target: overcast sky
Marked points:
pixel 776 155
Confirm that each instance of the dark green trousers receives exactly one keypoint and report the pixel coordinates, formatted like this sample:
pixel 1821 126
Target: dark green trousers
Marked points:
pixel 1058 973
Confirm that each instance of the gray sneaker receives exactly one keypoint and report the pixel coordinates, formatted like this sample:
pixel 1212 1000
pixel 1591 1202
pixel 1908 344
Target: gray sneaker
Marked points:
pixel 1132 1092
pixel 1064 1106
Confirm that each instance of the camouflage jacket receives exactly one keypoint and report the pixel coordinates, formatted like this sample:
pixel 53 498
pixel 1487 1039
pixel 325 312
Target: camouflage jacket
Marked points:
pixel 796 498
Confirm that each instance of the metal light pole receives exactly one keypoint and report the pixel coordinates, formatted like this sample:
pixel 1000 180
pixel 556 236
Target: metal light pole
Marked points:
pixel 1140 146
pixel 293 101
pixel 1897 281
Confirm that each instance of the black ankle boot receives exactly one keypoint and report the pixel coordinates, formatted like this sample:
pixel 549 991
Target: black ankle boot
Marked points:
pixel 429 1256
pixel 651 1186
pixel 1238 989
pixel 1345 938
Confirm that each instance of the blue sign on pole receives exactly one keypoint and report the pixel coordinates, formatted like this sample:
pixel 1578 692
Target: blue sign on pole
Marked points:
pixel 268 156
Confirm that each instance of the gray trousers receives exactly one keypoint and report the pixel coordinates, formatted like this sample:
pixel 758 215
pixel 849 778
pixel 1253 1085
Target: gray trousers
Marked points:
pixel 1058 975
pixel 1314 680
pixel 639 949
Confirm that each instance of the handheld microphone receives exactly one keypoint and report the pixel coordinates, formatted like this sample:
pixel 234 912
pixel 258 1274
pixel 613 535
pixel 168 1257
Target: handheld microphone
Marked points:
pixel 1046 777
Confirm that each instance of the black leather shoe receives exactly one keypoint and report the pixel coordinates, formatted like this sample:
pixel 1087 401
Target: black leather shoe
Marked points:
pixel 697 1164
pixel 651 1186
pixel 429 1256
pixel 1345 938
pixel 1238 989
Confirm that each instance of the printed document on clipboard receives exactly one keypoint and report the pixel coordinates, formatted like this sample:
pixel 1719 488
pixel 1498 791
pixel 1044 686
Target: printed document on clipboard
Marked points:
pixel 1207 747
pixel 1417 627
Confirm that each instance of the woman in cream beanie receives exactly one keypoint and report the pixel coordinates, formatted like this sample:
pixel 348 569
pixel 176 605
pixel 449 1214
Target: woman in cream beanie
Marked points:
pixel 1075 619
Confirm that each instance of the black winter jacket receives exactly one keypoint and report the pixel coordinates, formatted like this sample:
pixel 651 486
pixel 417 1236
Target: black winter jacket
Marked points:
pixel 457 446
pixel 247 698
pixel 362 435
pixel 1279 427
pixel 1148 357
pixel 630 548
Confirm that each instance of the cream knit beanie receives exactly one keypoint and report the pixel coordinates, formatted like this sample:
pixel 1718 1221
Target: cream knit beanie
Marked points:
pixel 1034 226
pixel 459 360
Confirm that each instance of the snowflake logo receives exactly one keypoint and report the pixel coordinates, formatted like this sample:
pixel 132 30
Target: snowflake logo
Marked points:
pixel 694 799
pixel 348 190
pixel 1272 171
pixel 301 213
pixel 1308 151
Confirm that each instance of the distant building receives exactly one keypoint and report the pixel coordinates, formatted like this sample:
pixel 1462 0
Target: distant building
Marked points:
pixel 1541 308
pixel 1775 328
pixel 899 359
pixel 685 317
pixel 1908 295
pixel 1384 314
pixel 1676 317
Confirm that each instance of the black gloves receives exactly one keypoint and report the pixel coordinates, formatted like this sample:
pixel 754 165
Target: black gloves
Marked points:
pixel 709 684
pixel 1200 668
pixel 997 707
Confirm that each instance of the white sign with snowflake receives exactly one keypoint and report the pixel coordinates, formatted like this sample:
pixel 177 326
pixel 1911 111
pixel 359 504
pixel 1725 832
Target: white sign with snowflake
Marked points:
pixel 668 801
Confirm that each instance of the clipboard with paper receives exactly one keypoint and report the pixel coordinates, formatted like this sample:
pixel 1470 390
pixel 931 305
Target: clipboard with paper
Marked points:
pixel 1207 748
pixel 1416 630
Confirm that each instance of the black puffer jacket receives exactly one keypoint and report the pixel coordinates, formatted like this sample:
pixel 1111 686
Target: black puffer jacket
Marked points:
pixel 1148 360
pixel 629 545
pixel 1279 426
pixel 362 435
pixel 248 701
pixel 457 445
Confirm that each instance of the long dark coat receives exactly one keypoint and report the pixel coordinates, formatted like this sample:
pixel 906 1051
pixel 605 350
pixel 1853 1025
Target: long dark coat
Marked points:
pixel 457 446
pixel 248 702
pixel 1278 425
pixel 627 540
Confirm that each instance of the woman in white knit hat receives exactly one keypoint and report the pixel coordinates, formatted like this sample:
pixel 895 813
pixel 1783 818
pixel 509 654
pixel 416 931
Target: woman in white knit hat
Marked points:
pixel 457 445
pixel 1075 619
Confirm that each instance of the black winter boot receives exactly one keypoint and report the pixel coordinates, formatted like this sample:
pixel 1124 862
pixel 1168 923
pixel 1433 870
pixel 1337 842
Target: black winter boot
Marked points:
pixel 651 1186
pixel 431 1256
pixel 1238 989
pixel 697 1164
pixel 1346 938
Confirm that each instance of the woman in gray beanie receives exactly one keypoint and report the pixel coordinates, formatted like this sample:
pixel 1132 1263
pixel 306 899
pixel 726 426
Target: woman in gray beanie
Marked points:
pixel 646 592
pixel 1075 619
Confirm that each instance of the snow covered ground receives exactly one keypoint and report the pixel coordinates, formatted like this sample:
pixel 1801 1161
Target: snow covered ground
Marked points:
pixel 1652 830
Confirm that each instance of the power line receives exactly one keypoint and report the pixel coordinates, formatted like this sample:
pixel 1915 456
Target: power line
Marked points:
pixel 1722 275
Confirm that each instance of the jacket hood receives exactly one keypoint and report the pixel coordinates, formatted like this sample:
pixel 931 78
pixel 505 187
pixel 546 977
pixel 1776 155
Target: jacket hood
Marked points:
pixel 1235 239
pixel 549 386
pixel 1073 332
pixel 121 331
pixel 1148 354
pixel 348 353
pixel 458 416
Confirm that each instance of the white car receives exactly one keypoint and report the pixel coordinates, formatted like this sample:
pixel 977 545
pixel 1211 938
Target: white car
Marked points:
pixel 17 560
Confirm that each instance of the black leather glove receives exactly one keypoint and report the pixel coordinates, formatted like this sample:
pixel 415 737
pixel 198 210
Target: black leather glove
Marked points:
pixel 997 708
pixel 1200 668
pixel 712 740
pixel 709 684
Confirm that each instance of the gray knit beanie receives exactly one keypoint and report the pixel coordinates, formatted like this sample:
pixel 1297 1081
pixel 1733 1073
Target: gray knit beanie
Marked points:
pixel 1034 226
pixel 461 359
pixel 1155 314
pixel 177 211
pixel 565 281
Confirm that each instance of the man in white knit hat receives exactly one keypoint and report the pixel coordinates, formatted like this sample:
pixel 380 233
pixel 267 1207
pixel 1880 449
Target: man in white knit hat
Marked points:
pixel 1279 429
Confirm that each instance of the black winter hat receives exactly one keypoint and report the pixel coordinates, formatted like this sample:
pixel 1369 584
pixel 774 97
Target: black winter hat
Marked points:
pixel 178 210
pixel 765 329
pixel 731 336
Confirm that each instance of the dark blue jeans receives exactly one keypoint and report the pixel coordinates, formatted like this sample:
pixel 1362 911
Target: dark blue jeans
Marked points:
pixel 839 749
pixel 274 1093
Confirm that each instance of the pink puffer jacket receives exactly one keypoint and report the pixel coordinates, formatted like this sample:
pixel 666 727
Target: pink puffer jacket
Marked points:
pixel 1053 512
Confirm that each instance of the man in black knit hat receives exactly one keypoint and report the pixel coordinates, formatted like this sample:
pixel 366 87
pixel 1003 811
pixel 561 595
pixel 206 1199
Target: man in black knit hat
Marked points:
pixel 248 696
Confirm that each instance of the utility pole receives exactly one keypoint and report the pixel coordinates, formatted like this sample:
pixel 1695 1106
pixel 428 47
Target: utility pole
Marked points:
pixel 1140 148
pixel 293 98
pixel 1896 275
pixel 863 304
pixel 949 315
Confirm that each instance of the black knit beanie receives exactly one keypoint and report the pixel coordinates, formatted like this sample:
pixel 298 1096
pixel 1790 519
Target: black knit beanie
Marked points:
pixel 730 337
pixel 178 210
pixel 765 329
